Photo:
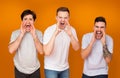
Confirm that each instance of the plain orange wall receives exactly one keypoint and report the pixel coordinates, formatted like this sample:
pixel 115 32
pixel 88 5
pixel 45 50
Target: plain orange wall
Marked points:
pixel 83 13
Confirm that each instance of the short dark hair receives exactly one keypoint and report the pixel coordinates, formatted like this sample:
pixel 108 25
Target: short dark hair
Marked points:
pixel 62 9
pixel 100 19
pixel 28 12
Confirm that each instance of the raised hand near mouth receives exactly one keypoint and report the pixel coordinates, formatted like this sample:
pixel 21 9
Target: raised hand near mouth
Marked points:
pixel 103 37
pixel 68 29
pixel 23 28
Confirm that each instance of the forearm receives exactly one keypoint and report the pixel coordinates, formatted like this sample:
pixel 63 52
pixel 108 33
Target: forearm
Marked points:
pixel 14 45
pixel 38 45
pixel 107 55
pixel 49 47
pixel 75 43
pixel 86 52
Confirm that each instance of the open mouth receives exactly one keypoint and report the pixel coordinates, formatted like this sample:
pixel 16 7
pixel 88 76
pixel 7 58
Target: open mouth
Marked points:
pixel 62 23
pixel 28 25
pixel 98 32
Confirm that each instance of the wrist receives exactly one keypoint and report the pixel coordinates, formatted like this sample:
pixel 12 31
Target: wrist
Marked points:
pixel 104 46
pixel 71 36
pixel 34 36
pixel 22 34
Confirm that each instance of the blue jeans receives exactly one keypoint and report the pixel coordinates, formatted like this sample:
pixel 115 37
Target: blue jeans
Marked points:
pixel 98 76
pixel 56 74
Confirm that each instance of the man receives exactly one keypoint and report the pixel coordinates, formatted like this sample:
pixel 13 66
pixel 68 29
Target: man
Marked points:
pixel 97 48
pixel 56 43
pixel 26 42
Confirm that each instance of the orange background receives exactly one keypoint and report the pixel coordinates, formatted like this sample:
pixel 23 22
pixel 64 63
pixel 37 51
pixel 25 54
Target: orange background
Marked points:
pixel 83 13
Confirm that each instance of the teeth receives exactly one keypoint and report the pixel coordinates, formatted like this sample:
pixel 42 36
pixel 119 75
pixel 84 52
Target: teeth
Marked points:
pixel 98 32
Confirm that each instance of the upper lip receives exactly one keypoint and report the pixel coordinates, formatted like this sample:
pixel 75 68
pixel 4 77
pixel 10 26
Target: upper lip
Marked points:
pixel 28 25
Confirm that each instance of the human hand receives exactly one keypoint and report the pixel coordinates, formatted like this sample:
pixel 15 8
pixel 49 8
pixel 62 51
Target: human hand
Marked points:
pixel 68 29
pixel 23 28
pixel 103 37
pixel 93 37
pixel 58 30
pixel 32 30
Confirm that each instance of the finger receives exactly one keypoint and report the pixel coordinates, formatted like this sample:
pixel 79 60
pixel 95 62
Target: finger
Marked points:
pixel 103 31
pixel 58 24
pixel 22 25
pixel 67 22
pixel 32 24
pixel 94 33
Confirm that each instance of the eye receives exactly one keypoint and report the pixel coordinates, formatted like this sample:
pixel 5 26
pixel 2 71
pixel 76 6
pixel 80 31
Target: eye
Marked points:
pixel 60 17
pixel 96 26
pixel 102 27
pixel 66 17
pixel 31 19
pixel 25 19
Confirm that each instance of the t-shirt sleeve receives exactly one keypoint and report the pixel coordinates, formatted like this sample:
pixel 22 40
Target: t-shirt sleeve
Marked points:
pixel 47 35
pixel 110 44
pixel 13 37
pixel 40 37
pixel 84 42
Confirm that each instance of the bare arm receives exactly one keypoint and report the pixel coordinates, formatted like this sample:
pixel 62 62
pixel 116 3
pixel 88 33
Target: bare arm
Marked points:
pixel 75 43
pixel 85 52
pixel 38 44
pixel 14 45
pixel 107 55
pixel 50 45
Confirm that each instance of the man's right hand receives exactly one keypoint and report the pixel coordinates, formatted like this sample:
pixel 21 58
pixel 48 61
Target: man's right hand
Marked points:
pixel 23 28
pixel 58 30
pixel 93 37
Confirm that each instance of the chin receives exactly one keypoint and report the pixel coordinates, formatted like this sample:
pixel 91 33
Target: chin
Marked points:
pixel 62 27
pixel 98 38
pixel 27 30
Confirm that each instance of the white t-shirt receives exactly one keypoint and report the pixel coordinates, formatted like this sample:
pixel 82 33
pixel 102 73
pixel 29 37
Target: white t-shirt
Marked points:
pixel 25 59
pixel 58 60
pixel 95 64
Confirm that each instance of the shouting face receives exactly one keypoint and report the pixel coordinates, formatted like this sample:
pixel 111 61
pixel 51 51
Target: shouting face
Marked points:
pixel 62 18
pixel 28 19
pixel 99 28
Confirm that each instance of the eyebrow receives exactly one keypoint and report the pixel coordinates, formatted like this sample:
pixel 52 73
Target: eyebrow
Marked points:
pixel 100 26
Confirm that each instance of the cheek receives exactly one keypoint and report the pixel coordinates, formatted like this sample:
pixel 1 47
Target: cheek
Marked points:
pixel 24 21
pixel 95 29
pixel 58 20
pixel 66 20
pixel 103 29
pixel 32 22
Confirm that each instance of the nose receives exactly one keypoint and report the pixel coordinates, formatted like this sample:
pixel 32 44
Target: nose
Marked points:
pixel 62 19
pixel 28 21
pixel 99 29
